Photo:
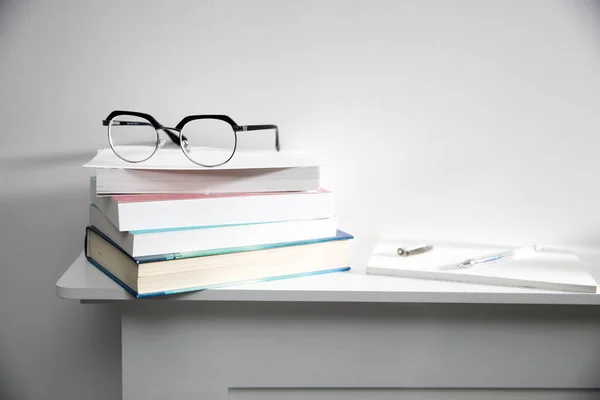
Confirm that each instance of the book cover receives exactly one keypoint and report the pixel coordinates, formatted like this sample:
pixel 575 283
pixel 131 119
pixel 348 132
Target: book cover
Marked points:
pixel 141 260
pixel 340 235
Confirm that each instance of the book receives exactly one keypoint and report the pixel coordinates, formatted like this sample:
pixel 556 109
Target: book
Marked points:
pixel 163 211
pixel 178 241
pixel 169 171
pixel 163 275
pixel 546 269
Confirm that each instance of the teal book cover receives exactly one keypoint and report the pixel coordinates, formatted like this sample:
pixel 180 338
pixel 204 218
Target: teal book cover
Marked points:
pixel 340 235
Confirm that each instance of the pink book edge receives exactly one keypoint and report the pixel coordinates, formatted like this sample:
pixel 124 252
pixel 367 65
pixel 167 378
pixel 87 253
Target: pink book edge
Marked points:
pixel 138 198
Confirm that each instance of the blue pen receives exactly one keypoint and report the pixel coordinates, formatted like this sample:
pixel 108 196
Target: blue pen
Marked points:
pixel 468 263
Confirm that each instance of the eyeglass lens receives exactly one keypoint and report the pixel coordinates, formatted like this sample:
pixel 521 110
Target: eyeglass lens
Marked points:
pixel 208 142
pixel 132 138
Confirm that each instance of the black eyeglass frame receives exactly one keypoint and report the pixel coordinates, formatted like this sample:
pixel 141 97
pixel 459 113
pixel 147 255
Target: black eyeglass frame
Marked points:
pixel 179 138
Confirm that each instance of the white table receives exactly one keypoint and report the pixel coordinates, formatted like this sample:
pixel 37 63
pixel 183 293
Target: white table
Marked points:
pixel 319 337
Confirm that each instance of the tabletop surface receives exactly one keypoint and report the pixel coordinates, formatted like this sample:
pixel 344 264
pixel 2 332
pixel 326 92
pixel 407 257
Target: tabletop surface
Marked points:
pixel 83 281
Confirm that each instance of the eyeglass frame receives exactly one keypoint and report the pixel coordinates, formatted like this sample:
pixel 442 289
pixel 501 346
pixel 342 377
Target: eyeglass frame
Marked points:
pixel 176 138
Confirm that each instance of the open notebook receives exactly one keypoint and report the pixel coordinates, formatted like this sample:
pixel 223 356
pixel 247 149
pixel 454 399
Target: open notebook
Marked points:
pixel 546 269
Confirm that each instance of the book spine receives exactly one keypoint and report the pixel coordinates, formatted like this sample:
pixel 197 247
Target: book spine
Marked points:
pixel 116 246
pixel 114 278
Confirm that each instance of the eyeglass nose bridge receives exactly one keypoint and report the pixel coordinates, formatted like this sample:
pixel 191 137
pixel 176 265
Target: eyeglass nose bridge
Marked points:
pixel 169 131
pixel 167 128
pixel 176 138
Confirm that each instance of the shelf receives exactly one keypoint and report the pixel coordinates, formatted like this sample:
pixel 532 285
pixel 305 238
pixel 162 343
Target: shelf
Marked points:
pixel 83 281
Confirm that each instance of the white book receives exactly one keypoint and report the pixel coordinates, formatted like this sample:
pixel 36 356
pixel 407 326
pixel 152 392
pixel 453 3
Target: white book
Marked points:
pixel 189 240
pixel 546 269
pixel 169 171
pixel 163 211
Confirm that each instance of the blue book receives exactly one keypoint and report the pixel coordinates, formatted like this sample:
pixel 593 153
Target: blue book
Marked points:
pixel 165 274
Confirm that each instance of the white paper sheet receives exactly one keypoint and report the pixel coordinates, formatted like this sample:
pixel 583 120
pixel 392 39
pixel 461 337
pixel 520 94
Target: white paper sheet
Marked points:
pixel 174 159
pixel 547 269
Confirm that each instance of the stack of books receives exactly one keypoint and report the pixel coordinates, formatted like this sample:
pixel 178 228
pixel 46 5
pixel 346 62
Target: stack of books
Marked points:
pixel 163 226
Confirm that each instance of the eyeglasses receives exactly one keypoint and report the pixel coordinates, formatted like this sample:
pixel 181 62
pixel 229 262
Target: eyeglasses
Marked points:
pixel 206 140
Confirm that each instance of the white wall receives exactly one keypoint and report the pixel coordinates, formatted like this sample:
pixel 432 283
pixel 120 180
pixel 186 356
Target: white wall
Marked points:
pixel 473 120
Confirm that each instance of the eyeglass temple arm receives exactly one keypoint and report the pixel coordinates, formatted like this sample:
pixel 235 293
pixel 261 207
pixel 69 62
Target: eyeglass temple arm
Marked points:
pixel 130 123
pixel 172 136
pixel 262 127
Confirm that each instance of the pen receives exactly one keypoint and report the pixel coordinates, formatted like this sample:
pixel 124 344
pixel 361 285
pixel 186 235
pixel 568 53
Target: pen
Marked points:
pixel 470 262
pixel 413 250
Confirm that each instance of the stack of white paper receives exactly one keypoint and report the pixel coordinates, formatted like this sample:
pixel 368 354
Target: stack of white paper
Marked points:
pixel 170 171
pixel 546 269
